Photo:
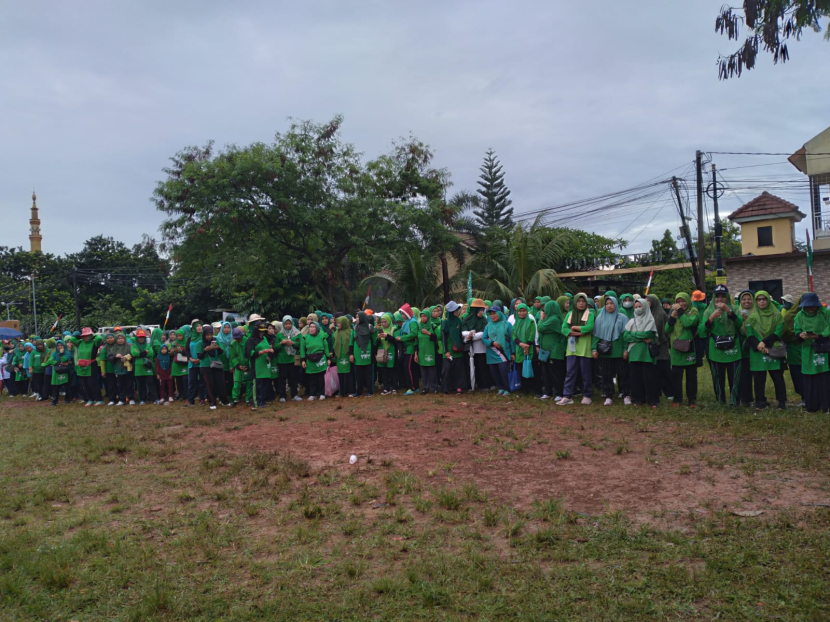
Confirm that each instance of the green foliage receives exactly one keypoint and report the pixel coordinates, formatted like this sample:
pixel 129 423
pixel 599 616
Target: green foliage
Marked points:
pixel 730 243
pixel 665 245
pixel 577 245
pixel 494 202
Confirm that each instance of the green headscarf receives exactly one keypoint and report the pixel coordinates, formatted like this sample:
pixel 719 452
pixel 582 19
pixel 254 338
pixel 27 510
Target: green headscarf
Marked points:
pixel 789 322
pixel 690 311
pixel 724 319
pixel 577 315
pixel 764 321
pixel 342 336
pixel 521 329
pixel 816 322
pixel 561 304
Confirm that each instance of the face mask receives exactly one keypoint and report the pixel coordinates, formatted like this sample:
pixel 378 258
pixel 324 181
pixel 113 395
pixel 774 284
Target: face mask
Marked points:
pixel 639 311
pixel 628 304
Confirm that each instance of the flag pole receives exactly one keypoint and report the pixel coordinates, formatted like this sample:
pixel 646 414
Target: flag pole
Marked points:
pixel 648 285
pixel 809 262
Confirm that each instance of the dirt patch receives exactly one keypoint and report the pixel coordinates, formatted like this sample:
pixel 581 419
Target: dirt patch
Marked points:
pixel 519 452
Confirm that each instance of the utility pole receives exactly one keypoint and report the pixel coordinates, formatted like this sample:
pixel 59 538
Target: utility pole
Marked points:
pixel 714 191
pixel 687 236
pixel 75 292
pixel 701 235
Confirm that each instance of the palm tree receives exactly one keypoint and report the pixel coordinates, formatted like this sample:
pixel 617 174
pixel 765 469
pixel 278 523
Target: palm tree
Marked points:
pixel 413 276
pixel 518 264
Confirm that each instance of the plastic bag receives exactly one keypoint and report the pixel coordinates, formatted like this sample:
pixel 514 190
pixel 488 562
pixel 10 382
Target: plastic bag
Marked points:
pixel 527 368
pixel 513 379
pixel 332 381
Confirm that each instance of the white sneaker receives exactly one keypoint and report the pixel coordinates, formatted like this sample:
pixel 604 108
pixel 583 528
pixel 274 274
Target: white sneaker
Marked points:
pixel 322 397
pixel 565 401
pixel 586 401
pixel 141 403
pixel 297 398
pixel 557 399
pixel 282 400
pixel 608 401
pixel 545 397
pixel 311 399
pixel 627 401
pixel 170 399
pixel 120 404
pixel 213 407
pixel 111 404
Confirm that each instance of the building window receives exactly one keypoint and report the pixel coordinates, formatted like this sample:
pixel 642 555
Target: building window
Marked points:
pixel 764 236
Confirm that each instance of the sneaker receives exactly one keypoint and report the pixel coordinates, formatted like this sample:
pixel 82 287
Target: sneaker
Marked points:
pixel 282 400
pixel 802 404
pixel 88 404
pixel 163 403
pixel 424 392
pixel 322 397
pixel 170 399
pixel 385 392
pixel 627 401
pixel 368 395
pixel 545 397
pixel 586 401
pixel 782 405
pixel 410 392
pixel 675 405
pixel 394 391
pixel 311 399
pixel 557 398
pixel 53 404
pixel 565 401
pixel 353 395
pixel 99 403
pixel 111 404
pixel 607 402
pixel 119 403
pixel 297 398
pixel 692 405
pixel 213 407
pixel 132 403
pixel 506 393
pixel 141 403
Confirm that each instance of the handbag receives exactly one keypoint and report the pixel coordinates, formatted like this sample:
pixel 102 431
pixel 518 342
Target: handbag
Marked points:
pixel 382 356
pixel 63 368
pixel 724 342
pixel 181 358
pixel 527 368
pixel 778 352
pixel 314 357
pixel 514 383
pixel 148 363
pixel 216 365
pixel 544 355
pixel 604 346
pixel 822 345
pixel 84 362
pixel 682 345
pixel 654 350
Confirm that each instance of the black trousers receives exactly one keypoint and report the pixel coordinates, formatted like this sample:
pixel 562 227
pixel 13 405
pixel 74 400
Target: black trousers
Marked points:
pixel 407 372
pixel 798 384
pixel 92 392
pixel 261 390
pixel 610 369
pixel 759 379
pixel 723 373
pixel 386 375
pixel 193 378
pixel 346 384
pixel 817 391
pixel 677 373
pixel 146 389
pixel 454 372
pixel 363 379
pixel 123 388
pixel 112 387
pixel 37 384
pixel 664 377
pixel 644 387
pixel 483 379
pixel 745 384
pixel 56 388
pixel 288 375
pixel 214 381
pixel 429 379
pixel 553 377
pixel 316 384
pixel 181 386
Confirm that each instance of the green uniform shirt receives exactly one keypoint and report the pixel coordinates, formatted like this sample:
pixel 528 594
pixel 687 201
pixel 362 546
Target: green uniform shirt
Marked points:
pixel 84 353
pixel 313 344
pixel 427 346
pixel 717 329
pixel 262 367
pixel 178 368
pixel 684 327
pixel 584 344
pixel 410 341
pixel 531 340
pixel 142 352
pixel 551 337
pixel 362 357
pixel 56 358
pixel 812 362
pixel 638 351
pixel 758 361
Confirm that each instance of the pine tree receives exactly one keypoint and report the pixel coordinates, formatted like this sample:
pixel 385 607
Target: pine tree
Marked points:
pixel 495 203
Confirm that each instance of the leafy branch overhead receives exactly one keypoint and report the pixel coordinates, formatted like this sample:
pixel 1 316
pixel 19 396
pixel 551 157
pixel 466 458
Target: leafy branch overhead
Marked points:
pixel 771 24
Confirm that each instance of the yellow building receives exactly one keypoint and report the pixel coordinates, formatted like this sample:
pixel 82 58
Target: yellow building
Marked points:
pixel 34 223
pixel 767 225
pixel 812 160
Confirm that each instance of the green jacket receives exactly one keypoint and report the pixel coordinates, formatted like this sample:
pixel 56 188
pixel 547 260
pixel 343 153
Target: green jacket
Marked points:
pixel 262 366
pixel 428 353
pixel 142 352
pixel 550 332
pixel 684 326
pixel 584 344
pixel 729 325
pixel 812 362
pixel 315 344
pixel 638 351
pixel 410 340
pixel 86 351
pixel 59 379
pixel 363 357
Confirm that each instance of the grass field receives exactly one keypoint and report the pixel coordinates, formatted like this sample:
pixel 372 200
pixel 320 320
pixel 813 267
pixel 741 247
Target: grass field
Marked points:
pixel 472 508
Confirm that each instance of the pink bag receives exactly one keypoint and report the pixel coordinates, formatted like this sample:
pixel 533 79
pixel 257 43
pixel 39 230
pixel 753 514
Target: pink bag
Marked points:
pixel 332 381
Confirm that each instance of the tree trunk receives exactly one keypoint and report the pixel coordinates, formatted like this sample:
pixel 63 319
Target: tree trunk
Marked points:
pixel 445 275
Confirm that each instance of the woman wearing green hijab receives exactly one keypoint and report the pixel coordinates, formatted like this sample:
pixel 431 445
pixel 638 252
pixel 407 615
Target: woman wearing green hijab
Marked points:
pixel 178 352
pixel 682 327
pixel 578 328
pixel 764 329
pixel 386 344
pixel 552 346
pixel 746 303
pixel 343 354
pixel 721 330
pixel 427 355
pixel 794 346
pixel 524 338
pixel 627 305
pixel 453 348
pixel 314 352
pixel 812 325
pixel 364 340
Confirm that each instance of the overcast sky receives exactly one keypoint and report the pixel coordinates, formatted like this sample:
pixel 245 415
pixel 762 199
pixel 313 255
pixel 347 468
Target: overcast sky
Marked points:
pixel 576 102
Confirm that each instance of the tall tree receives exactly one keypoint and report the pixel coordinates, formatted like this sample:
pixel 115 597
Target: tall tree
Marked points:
pixel 664 249
pixel 771 24
pixel 494 203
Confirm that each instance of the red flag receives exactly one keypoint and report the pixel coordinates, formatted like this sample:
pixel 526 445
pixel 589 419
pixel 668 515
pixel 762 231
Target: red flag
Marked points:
pixel 648 286
pixel 168 315
pixel 55 325
pixel 368 293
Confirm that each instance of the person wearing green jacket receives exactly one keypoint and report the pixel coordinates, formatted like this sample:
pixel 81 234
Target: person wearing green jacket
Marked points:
pixel 314 353
pixel 408 338
pixel 640 335
pixel 143 355
pixel 745 305
pixel 36 367
pixel 682 327
pixel 536 309
pixel 794 346
pixel 258 349
pixel 342 355
pixel 607 348
pixel 721 330
pixel 551 351
pixel 119 357
pixel 764 330
pixel 178 352
pixel 211 369
pixel 86 354
pixel 812 325
pixel 107 369
pixel 427 355
pixel 453 349
pixel 271 335
pixel 498 339
pixel 524 340
pixel 627 305
pixel 578 328
pixel 241 368
pixel 288 338
pixel 62 364
pixel 472 330
pixel 387 349
pixel 363 344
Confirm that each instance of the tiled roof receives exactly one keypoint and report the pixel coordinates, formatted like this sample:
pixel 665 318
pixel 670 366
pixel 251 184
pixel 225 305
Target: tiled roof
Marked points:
pixel 766 204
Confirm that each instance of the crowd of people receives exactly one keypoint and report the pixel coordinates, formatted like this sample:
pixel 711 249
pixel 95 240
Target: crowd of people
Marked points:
pixel 638 349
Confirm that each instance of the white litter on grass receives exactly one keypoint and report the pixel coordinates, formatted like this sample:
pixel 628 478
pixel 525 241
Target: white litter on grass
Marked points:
pixel 353 459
